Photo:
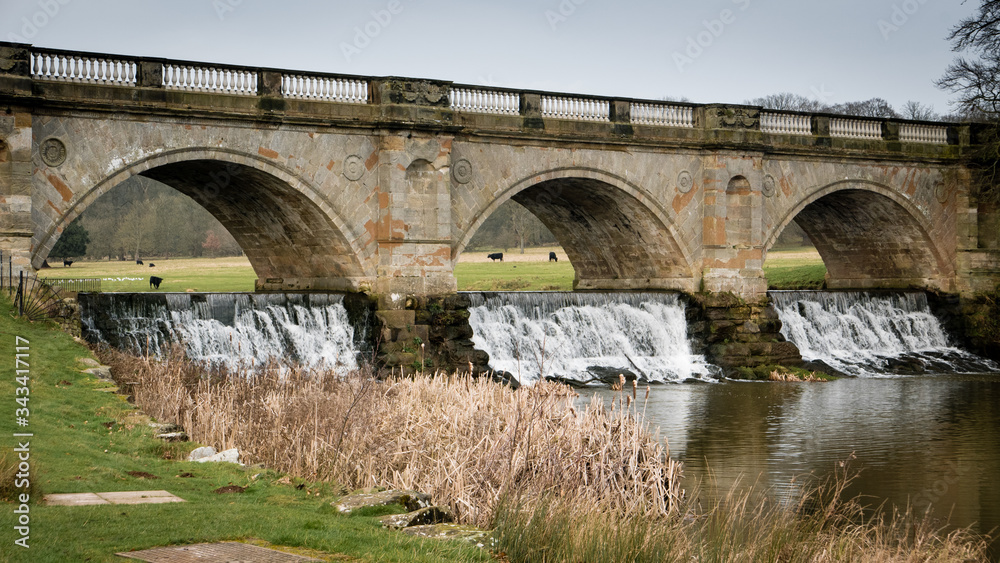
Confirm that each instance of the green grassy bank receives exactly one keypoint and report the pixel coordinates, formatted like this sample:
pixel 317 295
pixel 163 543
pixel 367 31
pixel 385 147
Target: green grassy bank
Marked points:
pixel 86 439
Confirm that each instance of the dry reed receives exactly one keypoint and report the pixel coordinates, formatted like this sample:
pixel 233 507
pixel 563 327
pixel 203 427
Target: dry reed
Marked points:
pixel 468 442
pixel 745 525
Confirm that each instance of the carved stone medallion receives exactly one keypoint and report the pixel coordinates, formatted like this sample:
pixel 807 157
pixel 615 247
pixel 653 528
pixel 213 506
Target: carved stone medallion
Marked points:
pixel 941 193
pixel 461 171
pixel 684 182
pixel 769 186
pixel 354 167
pixel 53 152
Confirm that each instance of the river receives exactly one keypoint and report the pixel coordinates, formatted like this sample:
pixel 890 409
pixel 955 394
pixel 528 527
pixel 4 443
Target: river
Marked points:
pixel 927 440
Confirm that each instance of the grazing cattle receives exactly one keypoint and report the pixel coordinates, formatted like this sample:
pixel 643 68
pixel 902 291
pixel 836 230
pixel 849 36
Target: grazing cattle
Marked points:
pixel 67 263
pixel 154 282
pixel 553 257
pixel 151 264
pixel 495 256
pixel 138 262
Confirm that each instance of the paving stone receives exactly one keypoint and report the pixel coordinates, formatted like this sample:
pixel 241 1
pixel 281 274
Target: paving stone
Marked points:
pixel 222 552
pixel 140 497
pixel 73 499
pixel 123 497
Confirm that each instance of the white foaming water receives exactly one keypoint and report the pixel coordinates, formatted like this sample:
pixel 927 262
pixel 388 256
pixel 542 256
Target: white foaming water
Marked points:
pixel 533 335
pixel 868 334
pixel 239 330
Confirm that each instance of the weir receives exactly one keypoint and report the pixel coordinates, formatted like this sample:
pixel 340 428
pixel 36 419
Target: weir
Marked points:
pixel 579 338
pixel 234 330
pixel 871 333
pixel 582 337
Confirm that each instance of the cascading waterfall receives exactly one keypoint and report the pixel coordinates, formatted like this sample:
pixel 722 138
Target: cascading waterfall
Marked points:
pixel 867 334
pixel 585 336
pixel 229 329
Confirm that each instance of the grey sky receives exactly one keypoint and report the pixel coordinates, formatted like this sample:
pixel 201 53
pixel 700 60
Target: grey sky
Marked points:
pixel 708 51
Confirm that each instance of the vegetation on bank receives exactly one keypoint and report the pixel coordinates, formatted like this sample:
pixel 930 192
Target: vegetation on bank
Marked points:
pixel 779 373
pixel 466 442
pixel 563 481
pixel 88 439
pixel 821 526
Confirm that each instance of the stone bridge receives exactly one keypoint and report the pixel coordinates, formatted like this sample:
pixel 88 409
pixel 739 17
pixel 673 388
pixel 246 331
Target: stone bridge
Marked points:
pixel 335 182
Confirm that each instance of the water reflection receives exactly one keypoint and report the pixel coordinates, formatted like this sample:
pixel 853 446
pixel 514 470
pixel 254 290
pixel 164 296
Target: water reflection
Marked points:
pixel 931 440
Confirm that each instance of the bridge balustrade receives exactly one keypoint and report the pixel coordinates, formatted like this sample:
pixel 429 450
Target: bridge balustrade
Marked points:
pixel 324 88
pixel 917 133
pixel 236 81
pixel 582 109
pixel 481 100
pixel 785 123
pixel 855 128
pixel 89 69
pixel 667 115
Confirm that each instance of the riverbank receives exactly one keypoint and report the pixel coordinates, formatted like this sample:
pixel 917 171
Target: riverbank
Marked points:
pixel 88 439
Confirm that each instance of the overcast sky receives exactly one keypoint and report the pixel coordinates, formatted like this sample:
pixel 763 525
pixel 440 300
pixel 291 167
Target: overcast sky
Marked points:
pixel 707 51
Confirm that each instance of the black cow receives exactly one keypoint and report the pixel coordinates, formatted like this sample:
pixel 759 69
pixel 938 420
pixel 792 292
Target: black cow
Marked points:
pixel 151 264
pixel 45 264
pixel 155 282
pixel 553 257
pixel 138 262
pixel 495 256
pixel 67 263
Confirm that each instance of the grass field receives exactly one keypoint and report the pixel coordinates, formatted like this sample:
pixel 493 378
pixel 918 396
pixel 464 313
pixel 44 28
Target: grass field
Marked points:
pixel 797 268
pixel 794 268
pixel 180 274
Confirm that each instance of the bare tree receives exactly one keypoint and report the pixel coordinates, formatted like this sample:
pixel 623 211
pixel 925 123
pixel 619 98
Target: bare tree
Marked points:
pixel 787 101
pixel 975 77
pixel 875 107
pixel 916 110
pixel 523 224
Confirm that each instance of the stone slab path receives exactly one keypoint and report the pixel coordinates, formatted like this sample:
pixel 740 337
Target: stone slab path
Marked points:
pixel 222 552
pixel 124 497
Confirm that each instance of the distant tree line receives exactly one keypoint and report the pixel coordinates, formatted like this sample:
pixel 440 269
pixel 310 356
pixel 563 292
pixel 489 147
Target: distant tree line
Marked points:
pixel 874 107
pixel 141 218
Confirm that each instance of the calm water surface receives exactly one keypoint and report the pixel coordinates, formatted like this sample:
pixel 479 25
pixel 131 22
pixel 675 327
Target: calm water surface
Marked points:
pixel 928 440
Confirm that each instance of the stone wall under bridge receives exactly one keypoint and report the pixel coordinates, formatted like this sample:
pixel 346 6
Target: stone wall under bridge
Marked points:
pixel 376 185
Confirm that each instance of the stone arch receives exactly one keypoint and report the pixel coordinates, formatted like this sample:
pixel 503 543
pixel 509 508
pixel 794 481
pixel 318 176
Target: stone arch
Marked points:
pixel 615 234
pixel 869 236
pixel 288 229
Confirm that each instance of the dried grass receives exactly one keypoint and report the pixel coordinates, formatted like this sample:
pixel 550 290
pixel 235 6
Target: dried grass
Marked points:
pixel 745 525
pixel 789 376
pixel 468 442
